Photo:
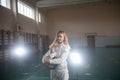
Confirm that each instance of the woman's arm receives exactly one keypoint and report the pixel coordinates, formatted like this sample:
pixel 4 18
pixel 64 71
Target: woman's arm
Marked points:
pixel 46 55
pixel 62 58
pixel 49 55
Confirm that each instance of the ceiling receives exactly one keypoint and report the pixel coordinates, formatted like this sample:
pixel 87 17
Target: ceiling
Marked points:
pixel 53 3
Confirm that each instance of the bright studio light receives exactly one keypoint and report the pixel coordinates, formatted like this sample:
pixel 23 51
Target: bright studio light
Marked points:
pixel 76 58
pixel 20 51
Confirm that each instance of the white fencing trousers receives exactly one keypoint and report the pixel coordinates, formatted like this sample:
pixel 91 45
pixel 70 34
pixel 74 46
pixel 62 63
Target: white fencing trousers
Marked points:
pixel 59 75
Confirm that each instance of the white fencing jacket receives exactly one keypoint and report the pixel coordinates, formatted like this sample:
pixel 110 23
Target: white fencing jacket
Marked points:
pixel 61 51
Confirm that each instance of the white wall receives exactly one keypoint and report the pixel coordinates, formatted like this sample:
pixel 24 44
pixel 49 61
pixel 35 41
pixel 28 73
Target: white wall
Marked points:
pixel 102 18
pixel 76 21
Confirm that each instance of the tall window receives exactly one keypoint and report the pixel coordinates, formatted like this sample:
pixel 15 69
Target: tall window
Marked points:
pixel 5 3
pixel 25 9
pixel 39 17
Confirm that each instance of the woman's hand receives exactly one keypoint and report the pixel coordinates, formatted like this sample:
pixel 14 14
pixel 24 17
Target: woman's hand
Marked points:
pixel 47 60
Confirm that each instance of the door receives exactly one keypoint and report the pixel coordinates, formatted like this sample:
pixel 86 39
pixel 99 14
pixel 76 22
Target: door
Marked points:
pixel 91 41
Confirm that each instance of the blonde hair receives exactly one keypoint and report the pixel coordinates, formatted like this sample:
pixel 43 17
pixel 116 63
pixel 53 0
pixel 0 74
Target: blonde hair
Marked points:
pixel 65 41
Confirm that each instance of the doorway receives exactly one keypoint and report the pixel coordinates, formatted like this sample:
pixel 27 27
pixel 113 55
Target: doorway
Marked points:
pixel 91 41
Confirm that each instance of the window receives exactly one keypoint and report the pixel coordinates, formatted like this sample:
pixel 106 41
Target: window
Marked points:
pixel 5 3
pixel 25 10
pixel 39 17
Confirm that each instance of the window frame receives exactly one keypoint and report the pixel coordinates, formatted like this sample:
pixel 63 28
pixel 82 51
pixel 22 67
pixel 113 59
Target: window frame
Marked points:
pixel 26 9
pixel 6 4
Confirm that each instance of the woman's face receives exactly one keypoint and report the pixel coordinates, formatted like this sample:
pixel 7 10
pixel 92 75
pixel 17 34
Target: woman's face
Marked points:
pixel 60 38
